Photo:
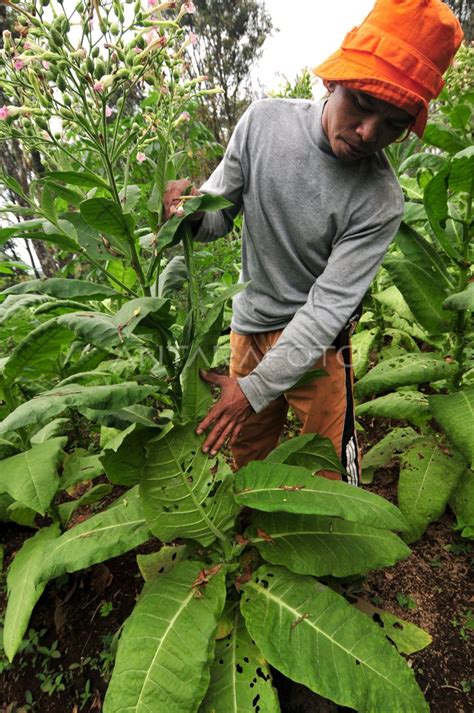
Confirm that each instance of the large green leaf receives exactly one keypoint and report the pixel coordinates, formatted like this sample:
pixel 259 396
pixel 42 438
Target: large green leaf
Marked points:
pixel 427 478
pixel 362 343
pixel 120 528
pixel 169 232
pixel 88 238
pixel 455 414
pixel 37 354
pixel 443 138
pixel 123 460
pixel 318 545
pixel 51 403
pixel 172 277
pixel 63 288
pixel 288 488
pixel 23 588
pixel 383 452
pixel 461 300
pixel 404 370
pixel 407 637
pixel 13 303
pixel 411 406
pixel 31 477
pixel 420 252
pixel 167 644
pixel 309 451
pixel 313 636
pixel 106 216
pixel 461 502
pixel 422 292
pixel 241 679
pixel 183 493
pixel 196 393
pixel 85 179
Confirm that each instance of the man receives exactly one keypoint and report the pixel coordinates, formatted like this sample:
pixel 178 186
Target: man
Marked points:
pixel 321 206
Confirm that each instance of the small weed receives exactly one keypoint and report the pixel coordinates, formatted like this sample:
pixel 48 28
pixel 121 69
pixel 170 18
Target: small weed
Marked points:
pixel 106 608
pixel 436 563
pixel 85 694
pixel 465 624
pixel 459 548
pixel 467 685
pixel 51 683
pixel 376 600
pixel 405 601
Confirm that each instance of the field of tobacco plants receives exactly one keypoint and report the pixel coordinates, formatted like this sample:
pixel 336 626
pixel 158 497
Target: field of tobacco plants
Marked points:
pixel 133 577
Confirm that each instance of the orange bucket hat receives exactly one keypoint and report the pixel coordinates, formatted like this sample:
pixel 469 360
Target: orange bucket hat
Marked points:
pixel 399 54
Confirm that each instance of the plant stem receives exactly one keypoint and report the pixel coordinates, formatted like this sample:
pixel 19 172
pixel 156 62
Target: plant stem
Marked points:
pixel 461 321
pixel 193 288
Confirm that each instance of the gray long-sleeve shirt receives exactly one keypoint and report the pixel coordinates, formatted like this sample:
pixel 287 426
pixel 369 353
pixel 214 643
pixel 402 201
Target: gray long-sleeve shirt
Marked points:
pixel 315 232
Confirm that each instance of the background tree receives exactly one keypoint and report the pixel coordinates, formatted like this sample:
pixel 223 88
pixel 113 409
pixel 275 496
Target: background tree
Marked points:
pixel 463 10
pixel 229 40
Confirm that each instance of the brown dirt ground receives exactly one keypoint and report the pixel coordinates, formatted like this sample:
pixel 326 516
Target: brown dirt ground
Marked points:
pixel 434 576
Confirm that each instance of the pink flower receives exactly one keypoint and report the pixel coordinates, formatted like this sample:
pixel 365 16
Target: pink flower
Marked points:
pixel 189 7
pixel 192 37
pixel 99 87
pixel 27 45
pixel 141 157
pixel 185 116
pixel 137 50
pixel 152 3
pixel 45 64
pixel 108 111
pixel 18 64
pixel 3 112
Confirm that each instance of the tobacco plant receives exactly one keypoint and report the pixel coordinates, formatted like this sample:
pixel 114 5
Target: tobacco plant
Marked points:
pixel 101 375
pixel 425 297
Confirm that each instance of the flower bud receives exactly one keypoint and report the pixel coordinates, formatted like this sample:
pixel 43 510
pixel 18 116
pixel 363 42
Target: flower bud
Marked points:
pixel 67 100
pixel 56 39
pixel 95 52
pixel 61 82
pixel 90 65
pixel 100 69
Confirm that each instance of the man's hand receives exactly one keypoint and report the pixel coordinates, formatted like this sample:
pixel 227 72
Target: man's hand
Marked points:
pixel 173 197
pixel 227 416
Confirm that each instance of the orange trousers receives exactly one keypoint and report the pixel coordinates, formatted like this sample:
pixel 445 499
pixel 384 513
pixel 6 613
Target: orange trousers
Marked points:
pixel 323 406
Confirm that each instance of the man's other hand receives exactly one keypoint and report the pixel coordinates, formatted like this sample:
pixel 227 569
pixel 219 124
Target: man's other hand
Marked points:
pixel 227 416
pixel 173 197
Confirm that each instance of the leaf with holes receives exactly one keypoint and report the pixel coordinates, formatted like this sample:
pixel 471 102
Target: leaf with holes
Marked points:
pixel 404 370
pixel 383 452
pixel 407 637
pixel 167 644
pixel 321 641
pixel 241 680
pixel 411 406
pixel 161 562
pixel 427 478
pixel 183 493
pixel 288 488
pixel 318 545
pixel 455 414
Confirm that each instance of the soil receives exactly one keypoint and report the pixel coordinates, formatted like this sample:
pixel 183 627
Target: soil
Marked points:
pixel 81 612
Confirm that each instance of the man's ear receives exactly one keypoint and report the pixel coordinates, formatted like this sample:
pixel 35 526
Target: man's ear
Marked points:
pixel 330 86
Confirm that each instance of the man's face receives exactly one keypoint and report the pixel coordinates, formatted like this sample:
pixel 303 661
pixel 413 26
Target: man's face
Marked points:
pixel 358 124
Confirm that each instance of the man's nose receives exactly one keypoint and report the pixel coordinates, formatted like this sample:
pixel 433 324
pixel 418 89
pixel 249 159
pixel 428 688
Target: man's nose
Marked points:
pixel 368 129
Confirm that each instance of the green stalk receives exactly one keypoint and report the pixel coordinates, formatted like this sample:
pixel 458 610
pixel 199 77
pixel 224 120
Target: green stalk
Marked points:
pixel 193 288
pixel 461 320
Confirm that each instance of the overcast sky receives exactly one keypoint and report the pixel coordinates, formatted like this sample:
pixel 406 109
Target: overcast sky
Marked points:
pixel 309 31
